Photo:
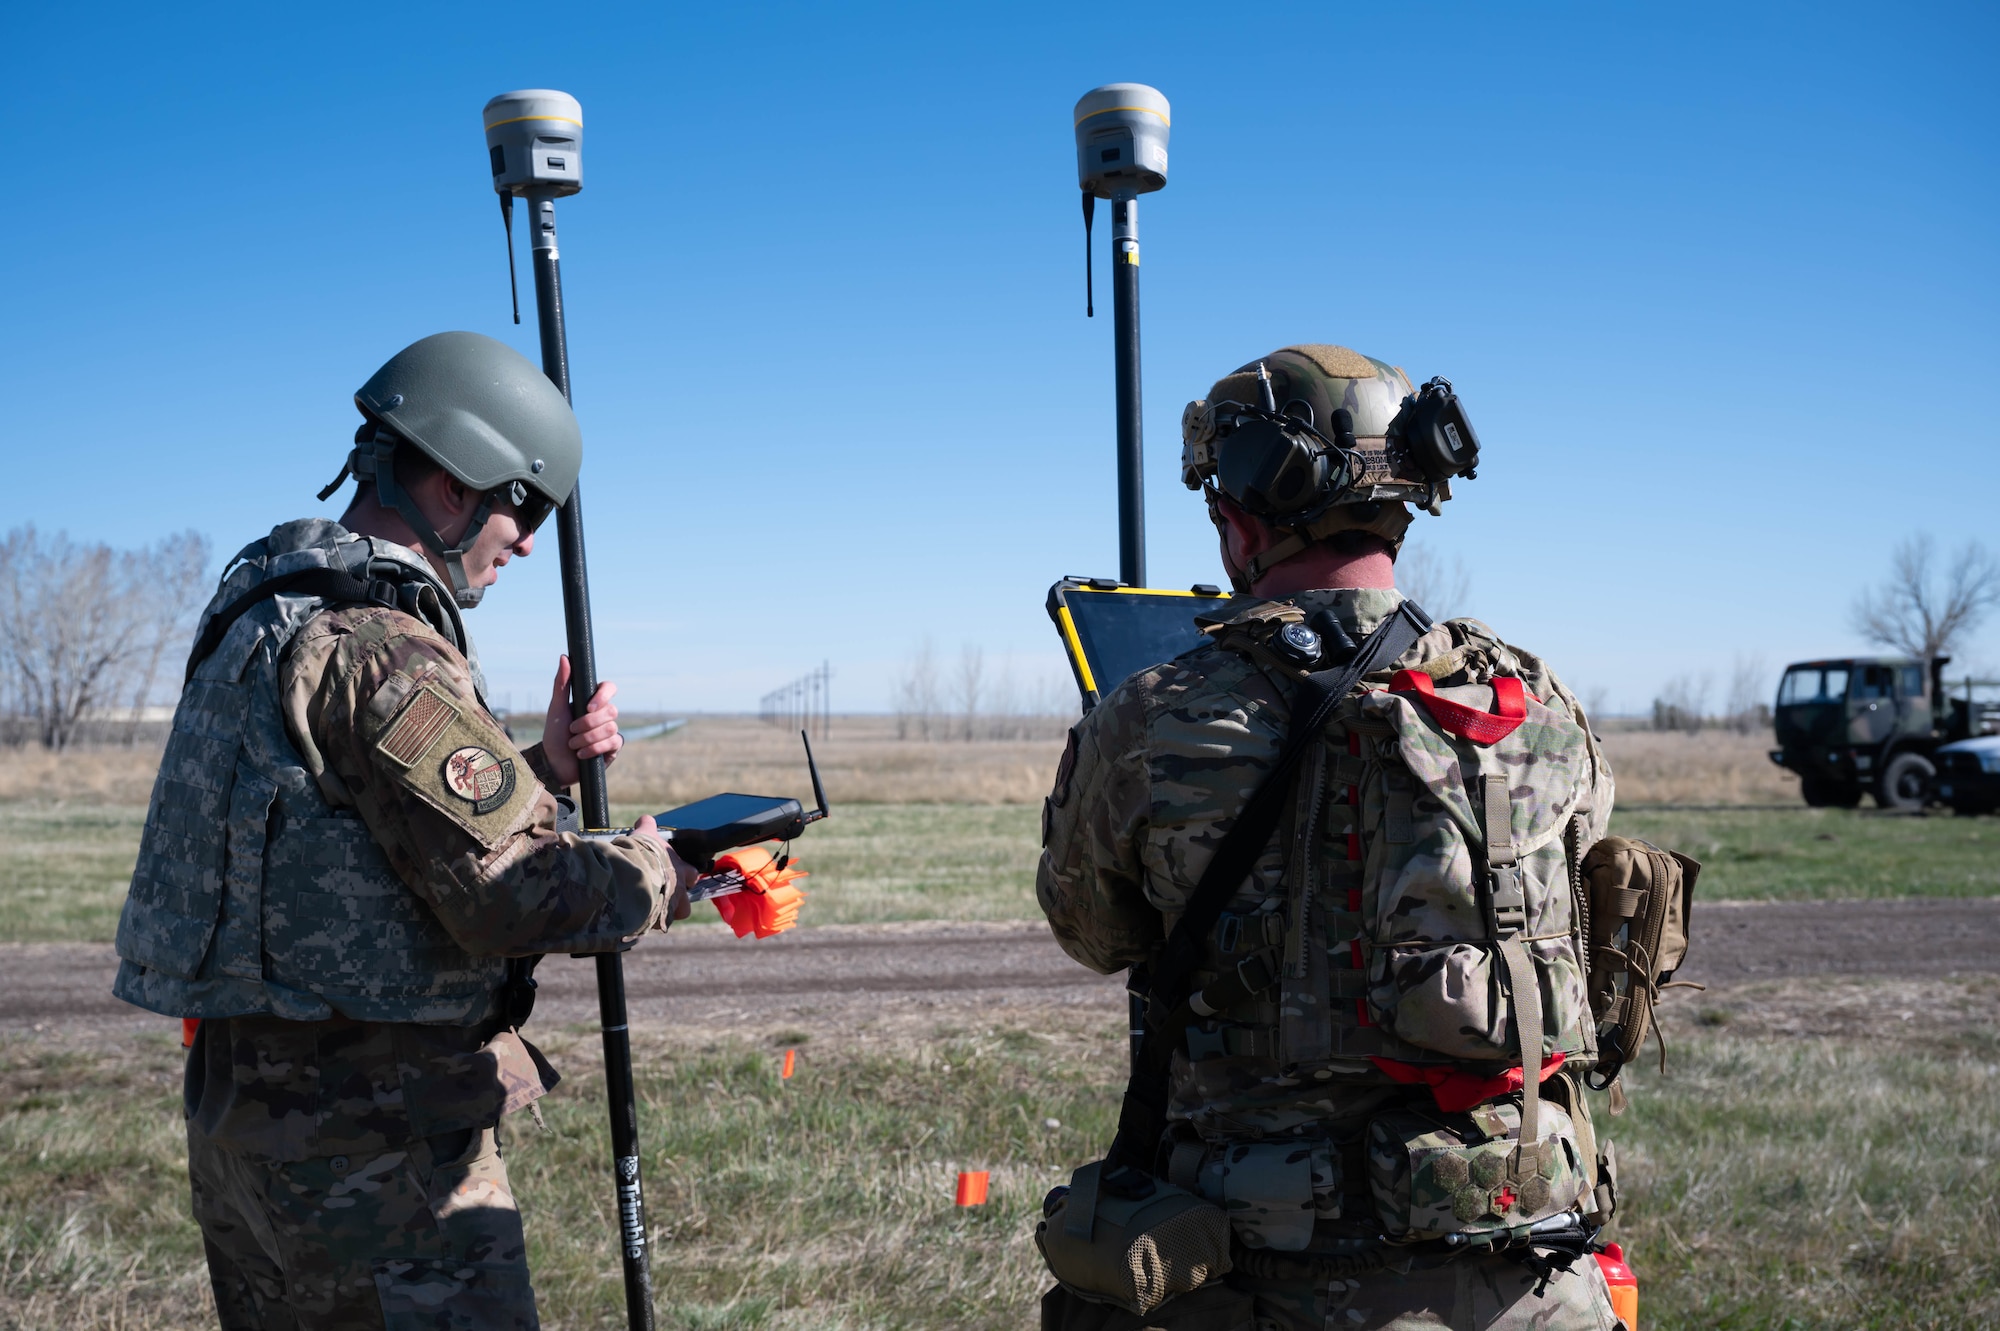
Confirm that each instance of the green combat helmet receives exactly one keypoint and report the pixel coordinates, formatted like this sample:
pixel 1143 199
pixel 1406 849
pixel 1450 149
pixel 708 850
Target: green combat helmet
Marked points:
pixel 484 413
pixel 1319 439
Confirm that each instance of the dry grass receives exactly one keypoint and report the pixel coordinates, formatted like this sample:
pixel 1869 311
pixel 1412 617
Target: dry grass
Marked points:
pixel 109 774
pixel 1821 1155
pixel 861 761
pixel 1713 767
pixel 864 762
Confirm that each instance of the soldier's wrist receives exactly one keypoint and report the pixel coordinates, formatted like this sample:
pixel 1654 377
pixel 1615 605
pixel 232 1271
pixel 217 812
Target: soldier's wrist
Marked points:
pixel 537 759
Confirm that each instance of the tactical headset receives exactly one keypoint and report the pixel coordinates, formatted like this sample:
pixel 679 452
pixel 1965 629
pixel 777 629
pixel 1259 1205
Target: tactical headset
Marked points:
pixel 1278 463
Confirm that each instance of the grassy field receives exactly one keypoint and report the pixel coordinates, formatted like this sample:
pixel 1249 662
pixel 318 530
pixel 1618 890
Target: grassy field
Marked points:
pixel 874 760
pixel 1826 854
pixel 1821 1156
pixel 1774 1179
pixel 67 865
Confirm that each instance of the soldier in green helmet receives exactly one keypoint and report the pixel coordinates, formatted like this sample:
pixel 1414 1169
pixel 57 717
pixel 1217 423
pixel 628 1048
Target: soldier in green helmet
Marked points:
pixel 1341 1076
pixel 346 860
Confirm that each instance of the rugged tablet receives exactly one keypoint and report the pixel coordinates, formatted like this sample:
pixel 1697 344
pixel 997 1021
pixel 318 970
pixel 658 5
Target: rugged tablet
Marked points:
pixel 1110 630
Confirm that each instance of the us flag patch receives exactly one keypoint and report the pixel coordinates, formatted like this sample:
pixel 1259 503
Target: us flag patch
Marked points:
pixel 417 727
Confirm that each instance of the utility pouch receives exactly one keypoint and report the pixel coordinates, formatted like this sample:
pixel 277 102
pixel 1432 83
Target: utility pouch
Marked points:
pixel 1435 1174
pixel 1641 899
pixel 1133 1252
pixel 1274 1192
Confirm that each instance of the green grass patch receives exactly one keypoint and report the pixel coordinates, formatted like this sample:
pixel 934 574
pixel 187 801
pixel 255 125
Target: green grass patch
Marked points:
pixel 66 867
pixel 1768 1182
pixel 872 863
pixel 1815 1183
pixel 1826 854
pixel 64 870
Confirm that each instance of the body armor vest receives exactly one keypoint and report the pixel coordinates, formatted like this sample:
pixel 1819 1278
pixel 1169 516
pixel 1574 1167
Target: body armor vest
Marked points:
pixel 252 894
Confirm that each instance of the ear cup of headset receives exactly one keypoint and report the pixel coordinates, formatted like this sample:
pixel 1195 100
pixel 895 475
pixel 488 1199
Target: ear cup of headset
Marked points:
pixel 1269 470
pixel 1438 434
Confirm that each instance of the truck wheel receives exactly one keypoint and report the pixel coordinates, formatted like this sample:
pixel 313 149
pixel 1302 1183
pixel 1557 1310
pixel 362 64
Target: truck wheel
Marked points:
pixel 1906 782
pixel 1821 793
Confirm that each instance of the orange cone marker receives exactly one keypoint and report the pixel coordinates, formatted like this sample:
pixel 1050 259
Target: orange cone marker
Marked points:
pixel 791 1055
pixel 972 1187
pixel 189 1025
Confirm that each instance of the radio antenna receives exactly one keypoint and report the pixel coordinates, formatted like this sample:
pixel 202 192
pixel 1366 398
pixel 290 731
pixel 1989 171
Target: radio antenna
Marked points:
pixel 819 791
pixel 1121 153
pixel 507 225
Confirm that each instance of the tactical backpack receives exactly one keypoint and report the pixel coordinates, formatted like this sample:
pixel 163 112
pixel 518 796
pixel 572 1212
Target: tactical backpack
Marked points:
pixel 1457 944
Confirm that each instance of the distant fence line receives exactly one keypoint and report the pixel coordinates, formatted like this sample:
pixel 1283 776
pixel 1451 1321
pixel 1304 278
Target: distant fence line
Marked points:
pixel 804 704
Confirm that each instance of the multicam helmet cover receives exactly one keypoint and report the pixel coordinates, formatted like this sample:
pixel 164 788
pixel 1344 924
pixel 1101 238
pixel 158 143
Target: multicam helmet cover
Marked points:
pixel 1311 382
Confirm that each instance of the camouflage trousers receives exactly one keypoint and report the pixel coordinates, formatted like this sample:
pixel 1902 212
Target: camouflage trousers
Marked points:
pixel 425 1238
pixel 1464 1294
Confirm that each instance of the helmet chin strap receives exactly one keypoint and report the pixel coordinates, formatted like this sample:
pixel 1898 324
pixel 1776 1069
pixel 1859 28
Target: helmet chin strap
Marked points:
pixel 374 458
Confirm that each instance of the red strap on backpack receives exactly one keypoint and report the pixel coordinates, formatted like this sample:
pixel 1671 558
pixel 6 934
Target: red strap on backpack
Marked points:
pixel 1509 700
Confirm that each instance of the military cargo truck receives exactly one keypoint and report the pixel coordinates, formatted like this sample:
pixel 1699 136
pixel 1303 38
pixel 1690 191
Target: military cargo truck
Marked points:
pixel 1871 725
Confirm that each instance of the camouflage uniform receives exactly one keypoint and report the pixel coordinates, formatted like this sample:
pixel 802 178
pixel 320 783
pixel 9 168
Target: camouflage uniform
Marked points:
pixel 346 1169
pixel 1273 1102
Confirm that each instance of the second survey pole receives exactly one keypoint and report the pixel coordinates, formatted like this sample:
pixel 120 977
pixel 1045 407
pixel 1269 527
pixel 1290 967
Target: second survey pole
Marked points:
pixel 1121 153
pixel 1131 431
pixel 535 140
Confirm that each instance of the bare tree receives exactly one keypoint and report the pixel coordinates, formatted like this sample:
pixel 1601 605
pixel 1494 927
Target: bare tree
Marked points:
pixel 1683 704
pixel 179 567
pixel 917 702
pixel 84 628
pixel 970 687
pixel 1441 588
pixel 1596 700
pixel 1926 605
pixel 1749 708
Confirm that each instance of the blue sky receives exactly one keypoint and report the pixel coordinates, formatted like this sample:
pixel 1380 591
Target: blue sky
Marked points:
pixel 1716 283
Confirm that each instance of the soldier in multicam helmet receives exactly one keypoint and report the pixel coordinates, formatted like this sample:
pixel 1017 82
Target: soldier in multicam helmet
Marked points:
pixel 1347 1049
pixel 346 858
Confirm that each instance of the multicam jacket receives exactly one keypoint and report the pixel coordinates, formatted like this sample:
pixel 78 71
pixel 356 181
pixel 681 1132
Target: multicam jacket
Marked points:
pixel 1274 1099
pixel 344 846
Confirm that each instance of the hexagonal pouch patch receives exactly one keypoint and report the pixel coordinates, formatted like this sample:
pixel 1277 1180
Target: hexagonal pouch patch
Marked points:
pixel 1434 1174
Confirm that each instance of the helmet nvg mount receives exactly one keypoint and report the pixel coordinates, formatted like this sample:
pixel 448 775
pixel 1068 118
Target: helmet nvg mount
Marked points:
pixel 1319 439
pixel 486 415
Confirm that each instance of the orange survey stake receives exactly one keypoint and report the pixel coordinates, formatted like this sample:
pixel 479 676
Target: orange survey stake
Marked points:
pixel 767 900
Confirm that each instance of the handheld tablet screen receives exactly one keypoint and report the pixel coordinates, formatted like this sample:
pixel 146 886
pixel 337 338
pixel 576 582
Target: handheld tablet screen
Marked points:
pixel 1110 632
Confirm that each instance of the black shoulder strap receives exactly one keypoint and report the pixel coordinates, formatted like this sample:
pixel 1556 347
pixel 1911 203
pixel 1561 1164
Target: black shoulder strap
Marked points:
pixel 331 583
pixel 1143 1116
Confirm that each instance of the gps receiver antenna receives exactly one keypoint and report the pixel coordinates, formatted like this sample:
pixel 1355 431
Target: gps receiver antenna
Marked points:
pixel 507 225
pixel 1121 153
pixel 534 140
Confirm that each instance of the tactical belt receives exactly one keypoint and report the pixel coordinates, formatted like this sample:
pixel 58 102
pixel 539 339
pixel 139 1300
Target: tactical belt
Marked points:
pixel 1142 1119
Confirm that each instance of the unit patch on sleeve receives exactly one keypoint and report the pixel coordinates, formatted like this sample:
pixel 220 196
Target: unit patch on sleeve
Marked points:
pixel 478 776
pixel 417 727
pixel 452 755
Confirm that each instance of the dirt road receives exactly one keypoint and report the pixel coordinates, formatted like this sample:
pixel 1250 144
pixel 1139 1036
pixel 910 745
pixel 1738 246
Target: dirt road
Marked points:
pixel 701 975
